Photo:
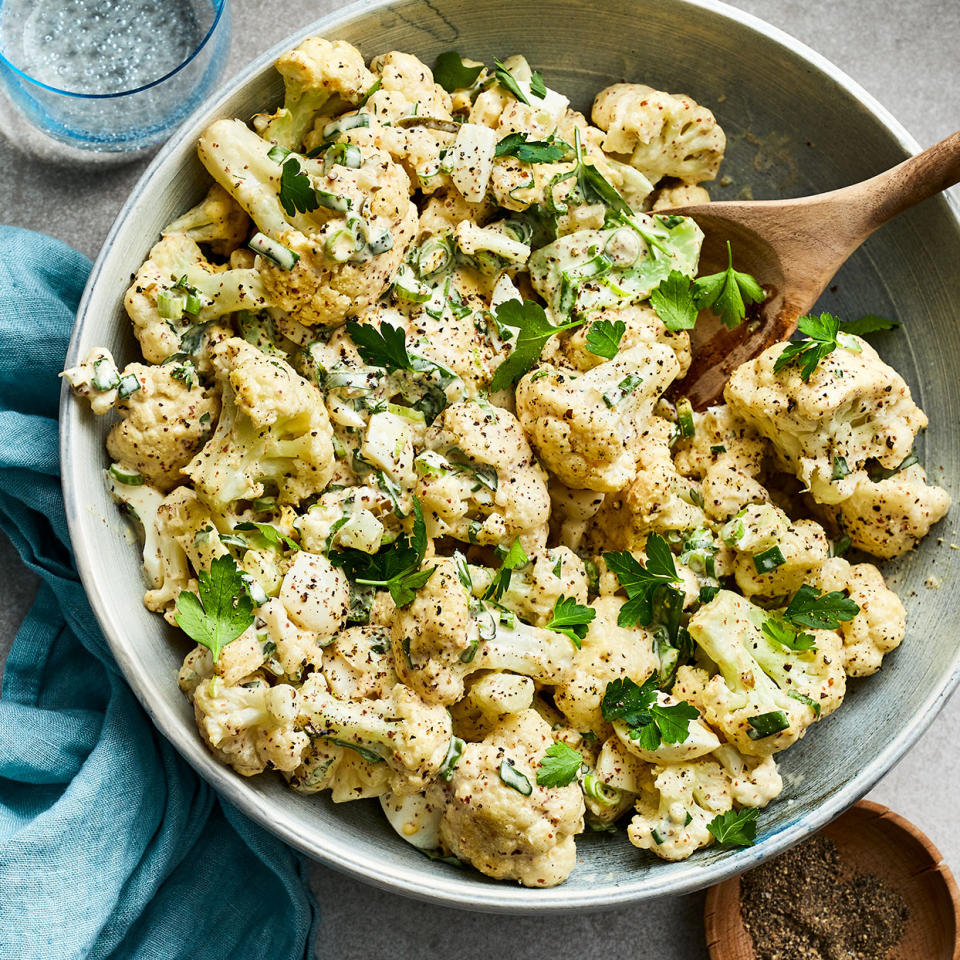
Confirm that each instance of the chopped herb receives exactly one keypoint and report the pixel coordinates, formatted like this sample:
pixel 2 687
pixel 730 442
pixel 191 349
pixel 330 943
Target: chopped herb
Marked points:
pixel 517 145
pixel 296 192
pixel 673 302
pixel 534 331
pixel 640 581
pixel 454 752
pixel 727 293
pixel 870 323
pixel 603 338
pixel 735 828
pixel 767 724
pixel 452 73
pixel 841 546
pixel 515 557
pixel 559 766
pixel 512 777
pixel 386 347
pixel 769 560
pixel 221 612
pixel 883 473
pixel 571 619
pixel 823 335
pixel 269 533
pixel 686 425
pixel 787 636
pixel 646 720
pixel 718 448
pixel 840 468
pixel 506 80
pixel 804 699
pixel 623 389
pixel 537 87
pixel 810 608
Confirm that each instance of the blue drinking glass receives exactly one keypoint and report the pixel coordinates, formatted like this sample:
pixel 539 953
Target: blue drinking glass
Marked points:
pixel 105 77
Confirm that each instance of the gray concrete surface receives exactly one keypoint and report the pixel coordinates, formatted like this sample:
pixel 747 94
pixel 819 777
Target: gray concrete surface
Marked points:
pixel 905 54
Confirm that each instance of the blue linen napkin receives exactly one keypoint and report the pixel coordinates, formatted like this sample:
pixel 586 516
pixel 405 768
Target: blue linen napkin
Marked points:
pixel 110 845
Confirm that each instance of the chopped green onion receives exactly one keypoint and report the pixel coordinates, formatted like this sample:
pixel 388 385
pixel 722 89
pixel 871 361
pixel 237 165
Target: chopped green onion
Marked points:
pixel 512 777
pixel 193 303
pixel 105 374
pixel 122 475
pixel 170 306
pixel 257 594
pixel 407 413
pixel 344 154
pixel 262 504
pixel 769 560
pixel 685 421
pixel 276 253
pixel 454 752
pixel 840 468
pixel 767 724
pixel 333 201
pixel 127 386
pixel 624 388
pixel 597 790
pixel 408 287
pixel 343 124
pixel 809 701
pixel 367 755
pixel 380 243
pixel 342 245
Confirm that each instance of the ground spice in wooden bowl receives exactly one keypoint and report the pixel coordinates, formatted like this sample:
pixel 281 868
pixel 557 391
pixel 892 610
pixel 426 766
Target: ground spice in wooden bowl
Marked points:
pixel 804 905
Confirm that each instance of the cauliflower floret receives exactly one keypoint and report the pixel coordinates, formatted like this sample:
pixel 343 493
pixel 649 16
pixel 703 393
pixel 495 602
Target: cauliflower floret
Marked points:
pixel 500 819
pixel 163 423
pixel 765 696
pixel 96 378
pixel 487 698
pixel 316 594
pixel 238 661
pixel 157 290
pixel 571 513
pixel 585 427
pixel 889 517
pixel 444 635
pixel 641 325
pixel 338 260
pixel 854 408
pixel 657 500
pixel 761 528
pixel 217 220
pixel 878 628
pixel 720 438
pixel 671 194
pixel 273 428
pixel 250 728
pixel 358 665
pixel 341 770
pixel 754 781
pixel 535 587
pixel 661 134
pixel 608 652
pixel 479 481
pixel 319 76
pixel 295 651
pixel 411 736
pixel 671 819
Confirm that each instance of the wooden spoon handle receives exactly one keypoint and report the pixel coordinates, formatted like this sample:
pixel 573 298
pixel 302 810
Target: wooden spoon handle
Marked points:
pixel 903 186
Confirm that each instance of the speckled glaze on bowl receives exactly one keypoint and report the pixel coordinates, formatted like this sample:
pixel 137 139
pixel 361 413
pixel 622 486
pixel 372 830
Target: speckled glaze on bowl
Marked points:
pixel 795 124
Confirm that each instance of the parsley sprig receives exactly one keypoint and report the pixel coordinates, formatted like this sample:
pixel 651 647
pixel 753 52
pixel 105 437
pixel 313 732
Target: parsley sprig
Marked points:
pixel 386 347
pixel 726 293
pixel 571 619
pixel 517 145
pixel 788 636
pixel 641 581
pixel 221 612
pixel 560 766
pixel 534 331
pixel 452 73
pixel 603 338
pixel 515 557
pixel 735 828
pixel 673 302
pixel 507 80
pixel 647 721
pixel 297 194
pixel 820 611
pixel 395 568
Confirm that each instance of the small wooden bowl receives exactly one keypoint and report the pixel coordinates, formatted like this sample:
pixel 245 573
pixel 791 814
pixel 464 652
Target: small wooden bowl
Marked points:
pixel 871 839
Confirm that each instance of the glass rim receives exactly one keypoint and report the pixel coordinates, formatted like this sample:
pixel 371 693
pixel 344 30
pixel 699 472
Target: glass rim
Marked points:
pixel 220 5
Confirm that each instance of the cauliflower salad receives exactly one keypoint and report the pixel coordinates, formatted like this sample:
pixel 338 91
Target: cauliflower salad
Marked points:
pixel 407 474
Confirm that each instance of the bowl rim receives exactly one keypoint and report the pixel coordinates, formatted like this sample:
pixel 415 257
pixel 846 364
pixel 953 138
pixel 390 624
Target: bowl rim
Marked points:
pixel 427 885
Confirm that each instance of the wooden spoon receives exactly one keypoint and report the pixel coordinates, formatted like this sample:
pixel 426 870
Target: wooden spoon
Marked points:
pixel 870 839
pixel 794 248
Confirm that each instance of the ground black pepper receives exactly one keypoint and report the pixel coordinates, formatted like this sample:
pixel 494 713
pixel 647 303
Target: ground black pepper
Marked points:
pixel 804 906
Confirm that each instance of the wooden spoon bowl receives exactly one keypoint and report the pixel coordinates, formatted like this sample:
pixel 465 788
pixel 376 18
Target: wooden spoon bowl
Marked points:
pixel 870 839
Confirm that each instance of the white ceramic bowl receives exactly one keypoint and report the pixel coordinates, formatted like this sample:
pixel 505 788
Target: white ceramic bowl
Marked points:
pixel 795 124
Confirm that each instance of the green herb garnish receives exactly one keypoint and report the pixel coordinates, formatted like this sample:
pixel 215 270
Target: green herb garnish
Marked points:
pixel 559 766
pixel 640 581
pixel 603 338
pixel 571 619
pixel 296 192
pixel 646 720
pixel 735 828
pixel 452 73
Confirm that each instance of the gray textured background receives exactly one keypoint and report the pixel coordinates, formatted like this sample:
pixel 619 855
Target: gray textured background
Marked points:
pixel 905 54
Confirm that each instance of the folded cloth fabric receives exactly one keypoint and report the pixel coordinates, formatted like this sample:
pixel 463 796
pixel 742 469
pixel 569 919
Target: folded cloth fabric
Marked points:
pixel 110 845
